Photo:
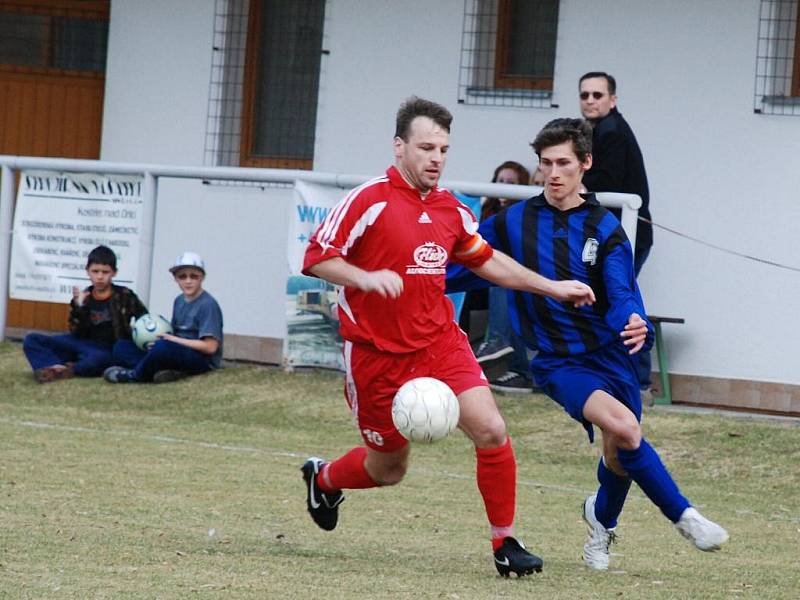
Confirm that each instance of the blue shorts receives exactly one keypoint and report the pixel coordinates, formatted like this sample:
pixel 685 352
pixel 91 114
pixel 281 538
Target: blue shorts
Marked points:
pixel 570 380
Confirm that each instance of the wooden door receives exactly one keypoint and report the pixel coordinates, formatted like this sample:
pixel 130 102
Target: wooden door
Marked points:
pixel 52 79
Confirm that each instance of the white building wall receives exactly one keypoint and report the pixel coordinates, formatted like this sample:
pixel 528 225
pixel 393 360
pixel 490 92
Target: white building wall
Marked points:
pixel 159 68
pixel 685 72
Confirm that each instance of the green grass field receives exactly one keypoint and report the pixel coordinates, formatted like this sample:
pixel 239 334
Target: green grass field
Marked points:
pixel 193 490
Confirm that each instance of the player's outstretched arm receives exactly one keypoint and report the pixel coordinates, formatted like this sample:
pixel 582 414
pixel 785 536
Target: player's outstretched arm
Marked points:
pixel 504 271
pixel 337 270
pixel 635 333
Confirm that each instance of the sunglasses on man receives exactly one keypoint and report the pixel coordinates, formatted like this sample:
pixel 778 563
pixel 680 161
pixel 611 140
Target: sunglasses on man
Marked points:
pixel 595 95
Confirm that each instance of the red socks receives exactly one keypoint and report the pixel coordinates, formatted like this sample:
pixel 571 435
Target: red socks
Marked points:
pixel 497 482
pixel 346 472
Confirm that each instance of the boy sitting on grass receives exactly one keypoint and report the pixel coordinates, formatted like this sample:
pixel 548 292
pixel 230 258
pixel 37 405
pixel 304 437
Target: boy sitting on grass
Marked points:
pixel 99 318
pixel 195 347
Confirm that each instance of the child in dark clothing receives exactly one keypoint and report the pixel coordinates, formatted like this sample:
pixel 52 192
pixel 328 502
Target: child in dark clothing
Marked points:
pixel 99 317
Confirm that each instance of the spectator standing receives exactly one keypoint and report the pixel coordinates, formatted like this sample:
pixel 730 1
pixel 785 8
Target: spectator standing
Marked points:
pixel 618 166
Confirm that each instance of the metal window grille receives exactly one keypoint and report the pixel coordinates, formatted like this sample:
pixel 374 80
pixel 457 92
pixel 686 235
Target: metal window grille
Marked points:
pixel 287 85
pixel 776 70
pixel 226 88
pixel 478 80
pixel 270 113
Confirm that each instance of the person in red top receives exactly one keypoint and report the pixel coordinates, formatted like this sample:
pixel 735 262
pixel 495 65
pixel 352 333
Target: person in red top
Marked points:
pixel 388 243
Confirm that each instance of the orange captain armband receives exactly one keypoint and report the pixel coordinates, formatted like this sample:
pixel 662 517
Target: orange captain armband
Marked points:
pixel 473 253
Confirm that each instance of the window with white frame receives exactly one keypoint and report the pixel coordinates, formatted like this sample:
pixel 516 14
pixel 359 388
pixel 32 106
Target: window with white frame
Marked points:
pixel 777 86
pixel 508 51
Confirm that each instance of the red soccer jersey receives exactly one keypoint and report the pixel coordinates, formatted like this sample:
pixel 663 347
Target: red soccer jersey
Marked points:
pixel 386 224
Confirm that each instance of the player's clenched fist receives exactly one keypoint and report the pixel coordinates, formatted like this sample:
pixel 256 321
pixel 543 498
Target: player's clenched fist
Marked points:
pixel 385 282
pixel 573 291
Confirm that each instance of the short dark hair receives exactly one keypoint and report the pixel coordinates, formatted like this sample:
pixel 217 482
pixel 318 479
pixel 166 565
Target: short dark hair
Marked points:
pixel 415 107
pixel 102 255
pixel 558 131
pixel 612 83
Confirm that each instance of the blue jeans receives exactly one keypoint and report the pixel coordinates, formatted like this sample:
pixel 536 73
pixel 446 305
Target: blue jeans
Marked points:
pixel 163 355
pixel 90 358
pixel 644 366
pixel 499 328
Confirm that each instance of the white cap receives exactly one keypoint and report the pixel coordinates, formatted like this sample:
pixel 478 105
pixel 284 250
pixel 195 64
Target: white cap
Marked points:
pixel 188 259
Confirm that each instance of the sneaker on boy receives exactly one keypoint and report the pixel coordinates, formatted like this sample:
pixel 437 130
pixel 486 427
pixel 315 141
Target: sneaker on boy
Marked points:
pixel 119 375
pixel 48 374
pixel 491 351
pixel 169 375
pixel 512 383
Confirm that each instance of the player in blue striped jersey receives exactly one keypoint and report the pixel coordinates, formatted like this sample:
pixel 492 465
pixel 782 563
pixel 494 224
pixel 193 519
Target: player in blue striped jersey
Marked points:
pixel 585 358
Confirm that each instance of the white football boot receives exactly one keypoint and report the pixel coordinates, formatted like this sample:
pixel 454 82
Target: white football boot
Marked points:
pixel 595 550
pixel 704 534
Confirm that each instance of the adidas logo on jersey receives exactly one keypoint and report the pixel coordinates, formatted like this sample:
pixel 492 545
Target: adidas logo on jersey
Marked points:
pixel 424 218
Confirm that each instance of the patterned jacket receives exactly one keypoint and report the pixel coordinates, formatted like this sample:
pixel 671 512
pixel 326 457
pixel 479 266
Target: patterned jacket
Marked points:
pixel 124 305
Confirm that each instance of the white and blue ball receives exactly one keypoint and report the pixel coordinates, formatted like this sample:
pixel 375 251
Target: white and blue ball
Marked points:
pixel 425 410
pixel 147 329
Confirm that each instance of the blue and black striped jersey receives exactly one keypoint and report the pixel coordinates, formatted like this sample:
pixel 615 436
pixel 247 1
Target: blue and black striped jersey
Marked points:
pixel 586 243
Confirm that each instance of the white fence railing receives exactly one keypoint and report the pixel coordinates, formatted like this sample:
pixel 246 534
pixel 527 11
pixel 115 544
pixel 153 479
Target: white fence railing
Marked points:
pixel 629 203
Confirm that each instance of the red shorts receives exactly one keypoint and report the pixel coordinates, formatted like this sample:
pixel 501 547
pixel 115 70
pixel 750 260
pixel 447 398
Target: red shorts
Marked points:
pixel 373 377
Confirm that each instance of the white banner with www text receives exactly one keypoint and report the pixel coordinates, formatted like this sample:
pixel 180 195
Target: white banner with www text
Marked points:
pixel 312 319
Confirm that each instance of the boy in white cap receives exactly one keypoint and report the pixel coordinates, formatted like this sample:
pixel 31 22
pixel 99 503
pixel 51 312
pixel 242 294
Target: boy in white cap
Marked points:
pixel 196 344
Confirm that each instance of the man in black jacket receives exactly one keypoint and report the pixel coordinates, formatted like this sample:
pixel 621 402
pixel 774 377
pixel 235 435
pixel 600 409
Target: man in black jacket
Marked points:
pixel 618 167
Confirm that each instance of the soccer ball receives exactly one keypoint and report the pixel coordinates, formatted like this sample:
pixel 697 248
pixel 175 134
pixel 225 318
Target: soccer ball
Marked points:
pixel 147 328
pixel 425 410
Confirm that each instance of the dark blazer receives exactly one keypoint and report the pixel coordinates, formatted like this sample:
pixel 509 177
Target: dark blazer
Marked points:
pixel 618 166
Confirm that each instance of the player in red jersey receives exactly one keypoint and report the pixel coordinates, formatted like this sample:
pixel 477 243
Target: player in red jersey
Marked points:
pixel 387 243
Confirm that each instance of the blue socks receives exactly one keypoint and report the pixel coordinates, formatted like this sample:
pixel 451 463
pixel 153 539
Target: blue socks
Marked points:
pixel 645 467
pixel 611 495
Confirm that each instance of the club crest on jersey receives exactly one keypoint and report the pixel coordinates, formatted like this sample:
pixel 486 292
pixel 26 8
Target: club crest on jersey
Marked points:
pixel 589 254
pixel 429 259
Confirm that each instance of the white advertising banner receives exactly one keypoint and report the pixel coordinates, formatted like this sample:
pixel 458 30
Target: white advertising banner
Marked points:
pixel 312 338
pixel 59 218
